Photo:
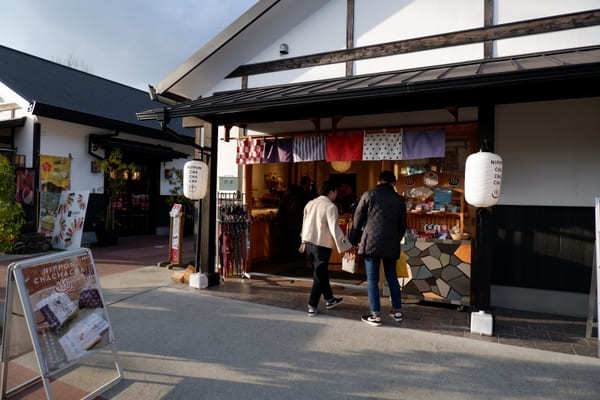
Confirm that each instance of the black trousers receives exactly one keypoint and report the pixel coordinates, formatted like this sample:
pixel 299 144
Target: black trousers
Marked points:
pixel 319 257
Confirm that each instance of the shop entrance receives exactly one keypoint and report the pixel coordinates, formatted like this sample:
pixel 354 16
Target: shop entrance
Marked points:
pixel 134 203
pixel 436 262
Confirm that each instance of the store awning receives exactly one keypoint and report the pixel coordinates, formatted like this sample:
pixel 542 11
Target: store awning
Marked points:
pixel 13 123
pixel 547 75
pixel 137 150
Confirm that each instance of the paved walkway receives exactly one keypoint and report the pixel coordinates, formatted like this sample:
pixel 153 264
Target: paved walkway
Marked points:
pixel 187 344
pixel 180 343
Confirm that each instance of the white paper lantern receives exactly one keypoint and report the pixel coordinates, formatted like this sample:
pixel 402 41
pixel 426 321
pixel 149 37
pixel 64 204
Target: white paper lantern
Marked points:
pixel 195 179
pixel 483 177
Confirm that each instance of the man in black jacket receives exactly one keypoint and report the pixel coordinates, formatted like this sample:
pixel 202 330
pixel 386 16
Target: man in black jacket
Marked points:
pixel 381 215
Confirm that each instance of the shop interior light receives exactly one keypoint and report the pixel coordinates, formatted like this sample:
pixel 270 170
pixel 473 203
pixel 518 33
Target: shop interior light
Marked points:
pixel 136 175
pixel 341 166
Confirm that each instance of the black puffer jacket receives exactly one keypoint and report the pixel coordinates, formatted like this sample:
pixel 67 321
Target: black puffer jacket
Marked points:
pixel 381 214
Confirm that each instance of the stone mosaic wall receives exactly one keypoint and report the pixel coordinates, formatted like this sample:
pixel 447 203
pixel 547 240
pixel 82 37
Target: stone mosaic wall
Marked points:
pixel 440 270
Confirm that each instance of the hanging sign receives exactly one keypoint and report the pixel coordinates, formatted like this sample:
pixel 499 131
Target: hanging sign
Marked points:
pixel 483 177
pixel 176 234
pixel 69 220
pixel 195 179
pixel 55 173
pixel 58 301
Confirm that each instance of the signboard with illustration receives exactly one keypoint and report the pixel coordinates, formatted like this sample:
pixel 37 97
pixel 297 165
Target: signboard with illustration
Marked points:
pixel 69 220
pixel 48 206
pixel 64 309
pixel 55 173
pixel 25 179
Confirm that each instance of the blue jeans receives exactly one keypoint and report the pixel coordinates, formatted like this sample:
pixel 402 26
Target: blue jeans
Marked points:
pixel 372 268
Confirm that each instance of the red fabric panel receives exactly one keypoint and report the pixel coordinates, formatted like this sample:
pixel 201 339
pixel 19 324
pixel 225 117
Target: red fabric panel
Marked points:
pixel 344 147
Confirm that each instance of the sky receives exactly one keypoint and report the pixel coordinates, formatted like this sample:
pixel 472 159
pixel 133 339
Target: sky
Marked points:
pixel 134 42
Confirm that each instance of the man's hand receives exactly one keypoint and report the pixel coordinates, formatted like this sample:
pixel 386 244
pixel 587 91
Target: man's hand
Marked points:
pixel 302 248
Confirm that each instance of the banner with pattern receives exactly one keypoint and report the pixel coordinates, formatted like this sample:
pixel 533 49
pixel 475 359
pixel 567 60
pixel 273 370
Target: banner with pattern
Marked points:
pixel 69 220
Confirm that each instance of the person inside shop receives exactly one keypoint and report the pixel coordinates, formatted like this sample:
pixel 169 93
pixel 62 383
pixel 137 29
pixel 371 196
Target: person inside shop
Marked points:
pixel 381 216
pixel 320 231
pixel 308 189
pixel 289 218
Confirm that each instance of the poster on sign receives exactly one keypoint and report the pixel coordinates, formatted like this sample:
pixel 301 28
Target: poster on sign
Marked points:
pixel 176 234
pixel 65 313
pixel 69 220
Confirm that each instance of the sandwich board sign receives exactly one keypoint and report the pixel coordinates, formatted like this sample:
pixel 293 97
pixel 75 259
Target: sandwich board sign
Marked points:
pixel 54 307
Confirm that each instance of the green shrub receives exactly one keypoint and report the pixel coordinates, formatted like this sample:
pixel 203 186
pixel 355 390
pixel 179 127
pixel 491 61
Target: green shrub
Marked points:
pixel 11 214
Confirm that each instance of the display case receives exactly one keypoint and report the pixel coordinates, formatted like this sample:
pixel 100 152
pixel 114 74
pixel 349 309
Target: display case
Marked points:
pixel 435 205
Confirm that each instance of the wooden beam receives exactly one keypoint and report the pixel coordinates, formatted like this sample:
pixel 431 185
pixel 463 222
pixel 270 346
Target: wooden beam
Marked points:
pixel 350 35
pixel 504 31
pixel 192 122
pixel 488 20
pixel 9 107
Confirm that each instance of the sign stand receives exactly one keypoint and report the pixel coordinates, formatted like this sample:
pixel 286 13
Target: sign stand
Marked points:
pixel 59 342
pixel 176 215
pixel 594 299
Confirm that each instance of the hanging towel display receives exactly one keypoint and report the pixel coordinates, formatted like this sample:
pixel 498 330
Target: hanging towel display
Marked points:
pixel 344 147
pixel 383 146
pixel 423 144
pixel 279 150
pixel 250 151
pixel 310 148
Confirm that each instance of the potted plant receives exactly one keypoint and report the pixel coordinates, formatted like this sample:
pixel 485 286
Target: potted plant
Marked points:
pixel 11 214
pixel 116 173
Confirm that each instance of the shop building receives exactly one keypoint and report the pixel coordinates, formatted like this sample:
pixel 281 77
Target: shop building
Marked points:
pixel 58 119
pixel 498 75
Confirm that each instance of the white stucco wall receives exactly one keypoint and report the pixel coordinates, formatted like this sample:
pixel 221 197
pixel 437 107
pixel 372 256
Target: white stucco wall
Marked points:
pixel 392 20
pixel 324 30
pixel 24 134
pixel 550 151
pixel 514 10
pixel 59 138
pixel 9 96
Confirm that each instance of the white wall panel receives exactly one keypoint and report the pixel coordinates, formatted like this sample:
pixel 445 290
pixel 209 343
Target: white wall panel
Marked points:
pixel 516 10
pixel 59 138
pixel 551 152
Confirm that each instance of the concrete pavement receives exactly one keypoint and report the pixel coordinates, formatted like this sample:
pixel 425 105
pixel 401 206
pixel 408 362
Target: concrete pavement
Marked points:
pixel 184 344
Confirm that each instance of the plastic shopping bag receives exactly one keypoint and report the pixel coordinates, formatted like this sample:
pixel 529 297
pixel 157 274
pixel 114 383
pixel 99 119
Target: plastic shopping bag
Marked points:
pixel 349 261
pixel 401 266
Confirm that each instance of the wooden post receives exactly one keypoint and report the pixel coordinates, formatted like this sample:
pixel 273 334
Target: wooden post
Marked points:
pixel 592 299
pixel 350 35
pixel 37 129
pixel 488 20
pixel 485 236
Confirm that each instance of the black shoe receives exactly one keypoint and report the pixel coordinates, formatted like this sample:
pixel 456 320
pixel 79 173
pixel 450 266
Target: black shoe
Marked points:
pixel 329 304
pixel 312 311
pixel 397 315
pixel 371 319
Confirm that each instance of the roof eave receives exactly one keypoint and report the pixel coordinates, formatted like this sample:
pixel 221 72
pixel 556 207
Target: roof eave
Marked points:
pixel 214 45
pixel 63 114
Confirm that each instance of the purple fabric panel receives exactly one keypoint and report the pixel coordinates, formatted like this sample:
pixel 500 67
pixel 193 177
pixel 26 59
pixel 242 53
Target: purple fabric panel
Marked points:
pixel 284 148
pixel 271 153
pixel 279 150
pixel 423 144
